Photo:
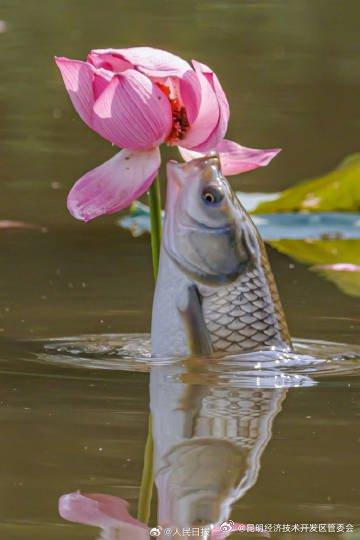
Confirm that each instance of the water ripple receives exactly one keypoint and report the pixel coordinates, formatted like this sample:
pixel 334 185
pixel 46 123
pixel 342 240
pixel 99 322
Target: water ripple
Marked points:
pixel 310 360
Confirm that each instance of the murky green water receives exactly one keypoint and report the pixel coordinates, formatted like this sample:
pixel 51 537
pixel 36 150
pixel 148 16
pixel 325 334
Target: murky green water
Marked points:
pixel 291 71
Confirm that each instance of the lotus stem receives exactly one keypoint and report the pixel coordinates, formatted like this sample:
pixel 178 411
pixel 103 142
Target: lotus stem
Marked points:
pixel 147 478
pixel 155 223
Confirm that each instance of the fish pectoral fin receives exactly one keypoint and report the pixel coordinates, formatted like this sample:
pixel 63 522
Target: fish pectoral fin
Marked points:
pixel 189 306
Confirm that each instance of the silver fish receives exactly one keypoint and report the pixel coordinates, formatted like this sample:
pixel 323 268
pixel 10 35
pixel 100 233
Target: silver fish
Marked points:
pixel 215 291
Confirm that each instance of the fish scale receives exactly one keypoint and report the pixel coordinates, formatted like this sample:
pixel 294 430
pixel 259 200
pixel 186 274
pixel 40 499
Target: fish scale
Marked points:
pixel 247 314
pixel 255 407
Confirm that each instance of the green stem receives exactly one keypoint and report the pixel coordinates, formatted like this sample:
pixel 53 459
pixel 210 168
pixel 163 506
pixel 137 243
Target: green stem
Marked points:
pixel 155 223
pixel 147 479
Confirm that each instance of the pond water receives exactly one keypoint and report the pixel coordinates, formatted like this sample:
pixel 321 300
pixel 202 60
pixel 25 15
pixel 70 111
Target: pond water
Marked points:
pixel 284 448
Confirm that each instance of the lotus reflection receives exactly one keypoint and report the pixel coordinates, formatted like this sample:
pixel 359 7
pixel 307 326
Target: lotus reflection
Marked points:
pixel 209 435
pixel 109 513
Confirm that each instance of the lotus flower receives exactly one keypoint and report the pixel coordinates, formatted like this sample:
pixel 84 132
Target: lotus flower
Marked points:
pixel 139 98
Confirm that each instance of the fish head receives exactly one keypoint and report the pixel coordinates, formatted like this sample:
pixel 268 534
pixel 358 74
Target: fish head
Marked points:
pixel 207 232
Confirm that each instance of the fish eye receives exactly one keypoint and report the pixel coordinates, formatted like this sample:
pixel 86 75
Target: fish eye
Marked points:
pixel 212 195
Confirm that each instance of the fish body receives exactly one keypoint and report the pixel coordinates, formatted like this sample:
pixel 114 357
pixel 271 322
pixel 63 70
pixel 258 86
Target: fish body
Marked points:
pixel 248 314
pixel 214 263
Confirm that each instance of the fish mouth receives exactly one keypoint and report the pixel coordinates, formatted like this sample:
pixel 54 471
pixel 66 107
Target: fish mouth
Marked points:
pixel 176 171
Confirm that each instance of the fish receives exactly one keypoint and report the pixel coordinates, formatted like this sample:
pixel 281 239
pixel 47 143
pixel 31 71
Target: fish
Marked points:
pixel 215 291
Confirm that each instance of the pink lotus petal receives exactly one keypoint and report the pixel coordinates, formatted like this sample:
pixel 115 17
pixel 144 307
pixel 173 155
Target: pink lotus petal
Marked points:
pixel 236 159
pixel 202 108
pixel 101 79
pixel 108 61
pixel 190 94
pixel 78 79
pixel 132 112
pixel 224 110
pixel 152 62
pixel 114 185
pixel 99 510
pixel 9 224
pixel 338 267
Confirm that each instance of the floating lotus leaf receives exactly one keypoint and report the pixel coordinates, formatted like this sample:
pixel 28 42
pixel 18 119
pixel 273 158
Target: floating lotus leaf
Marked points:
pixel 337 260
pixel 338 190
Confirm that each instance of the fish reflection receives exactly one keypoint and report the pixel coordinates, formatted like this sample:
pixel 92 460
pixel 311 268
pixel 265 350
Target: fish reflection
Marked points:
pixel 111 515
pixel 209 439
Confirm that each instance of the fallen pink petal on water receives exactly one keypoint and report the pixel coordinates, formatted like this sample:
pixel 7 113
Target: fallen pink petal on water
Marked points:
pixel 338 267
pixel 9 224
